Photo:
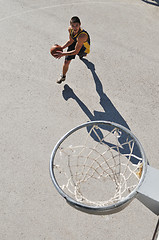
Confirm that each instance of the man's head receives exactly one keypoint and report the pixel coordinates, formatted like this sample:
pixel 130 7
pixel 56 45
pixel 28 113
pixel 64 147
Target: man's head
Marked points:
pixel 75 24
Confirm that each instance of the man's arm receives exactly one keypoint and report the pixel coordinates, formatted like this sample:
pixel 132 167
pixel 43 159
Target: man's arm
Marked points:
pixel 81 39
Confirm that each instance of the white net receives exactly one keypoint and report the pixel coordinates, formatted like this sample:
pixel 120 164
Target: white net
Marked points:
pixel 98 166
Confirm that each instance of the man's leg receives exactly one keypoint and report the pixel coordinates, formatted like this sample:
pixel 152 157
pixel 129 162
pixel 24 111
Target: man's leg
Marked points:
pixel 64 71
pixel 66 66
pixel 66 63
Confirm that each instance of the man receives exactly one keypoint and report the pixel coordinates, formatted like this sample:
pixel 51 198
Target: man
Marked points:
pixel 78 44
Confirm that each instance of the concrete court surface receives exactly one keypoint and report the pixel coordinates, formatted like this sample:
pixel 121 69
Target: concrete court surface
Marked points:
pixel 35 112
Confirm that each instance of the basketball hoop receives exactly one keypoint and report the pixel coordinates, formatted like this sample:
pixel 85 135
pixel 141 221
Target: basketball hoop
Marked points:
pixel 98 167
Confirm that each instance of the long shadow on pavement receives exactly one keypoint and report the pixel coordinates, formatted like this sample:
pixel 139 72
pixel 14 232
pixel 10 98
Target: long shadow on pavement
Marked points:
pixel 110 113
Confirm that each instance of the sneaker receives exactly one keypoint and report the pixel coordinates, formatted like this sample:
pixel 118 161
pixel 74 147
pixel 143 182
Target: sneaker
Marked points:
pixel 61 79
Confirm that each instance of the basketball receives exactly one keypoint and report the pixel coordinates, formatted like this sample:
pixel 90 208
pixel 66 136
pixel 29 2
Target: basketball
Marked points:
pixel 54 49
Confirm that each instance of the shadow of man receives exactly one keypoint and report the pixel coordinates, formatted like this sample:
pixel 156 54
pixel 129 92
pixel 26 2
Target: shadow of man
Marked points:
pixel 110 113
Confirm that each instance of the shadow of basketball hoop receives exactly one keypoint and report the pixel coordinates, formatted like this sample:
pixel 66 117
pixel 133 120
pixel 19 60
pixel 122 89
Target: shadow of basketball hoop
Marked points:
pixel 152 2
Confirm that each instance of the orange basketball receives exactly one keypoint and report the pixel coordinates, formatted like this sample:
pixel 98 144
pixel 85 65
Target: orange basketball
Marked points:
pixel 54 49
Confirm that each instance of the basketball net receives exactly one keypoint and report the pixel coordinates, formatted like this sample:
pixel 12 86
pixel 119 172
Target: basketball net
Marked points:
pixel 99 169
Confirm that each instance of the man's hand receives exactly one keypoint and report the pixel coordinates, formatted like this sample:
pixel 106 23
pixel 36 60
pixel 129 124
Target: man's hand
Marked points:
pixel 58 54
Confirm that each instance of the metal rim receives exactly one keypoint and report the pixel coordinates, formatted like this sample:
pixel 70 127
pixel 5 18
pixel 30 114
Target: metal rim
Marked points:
pixel 93 209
